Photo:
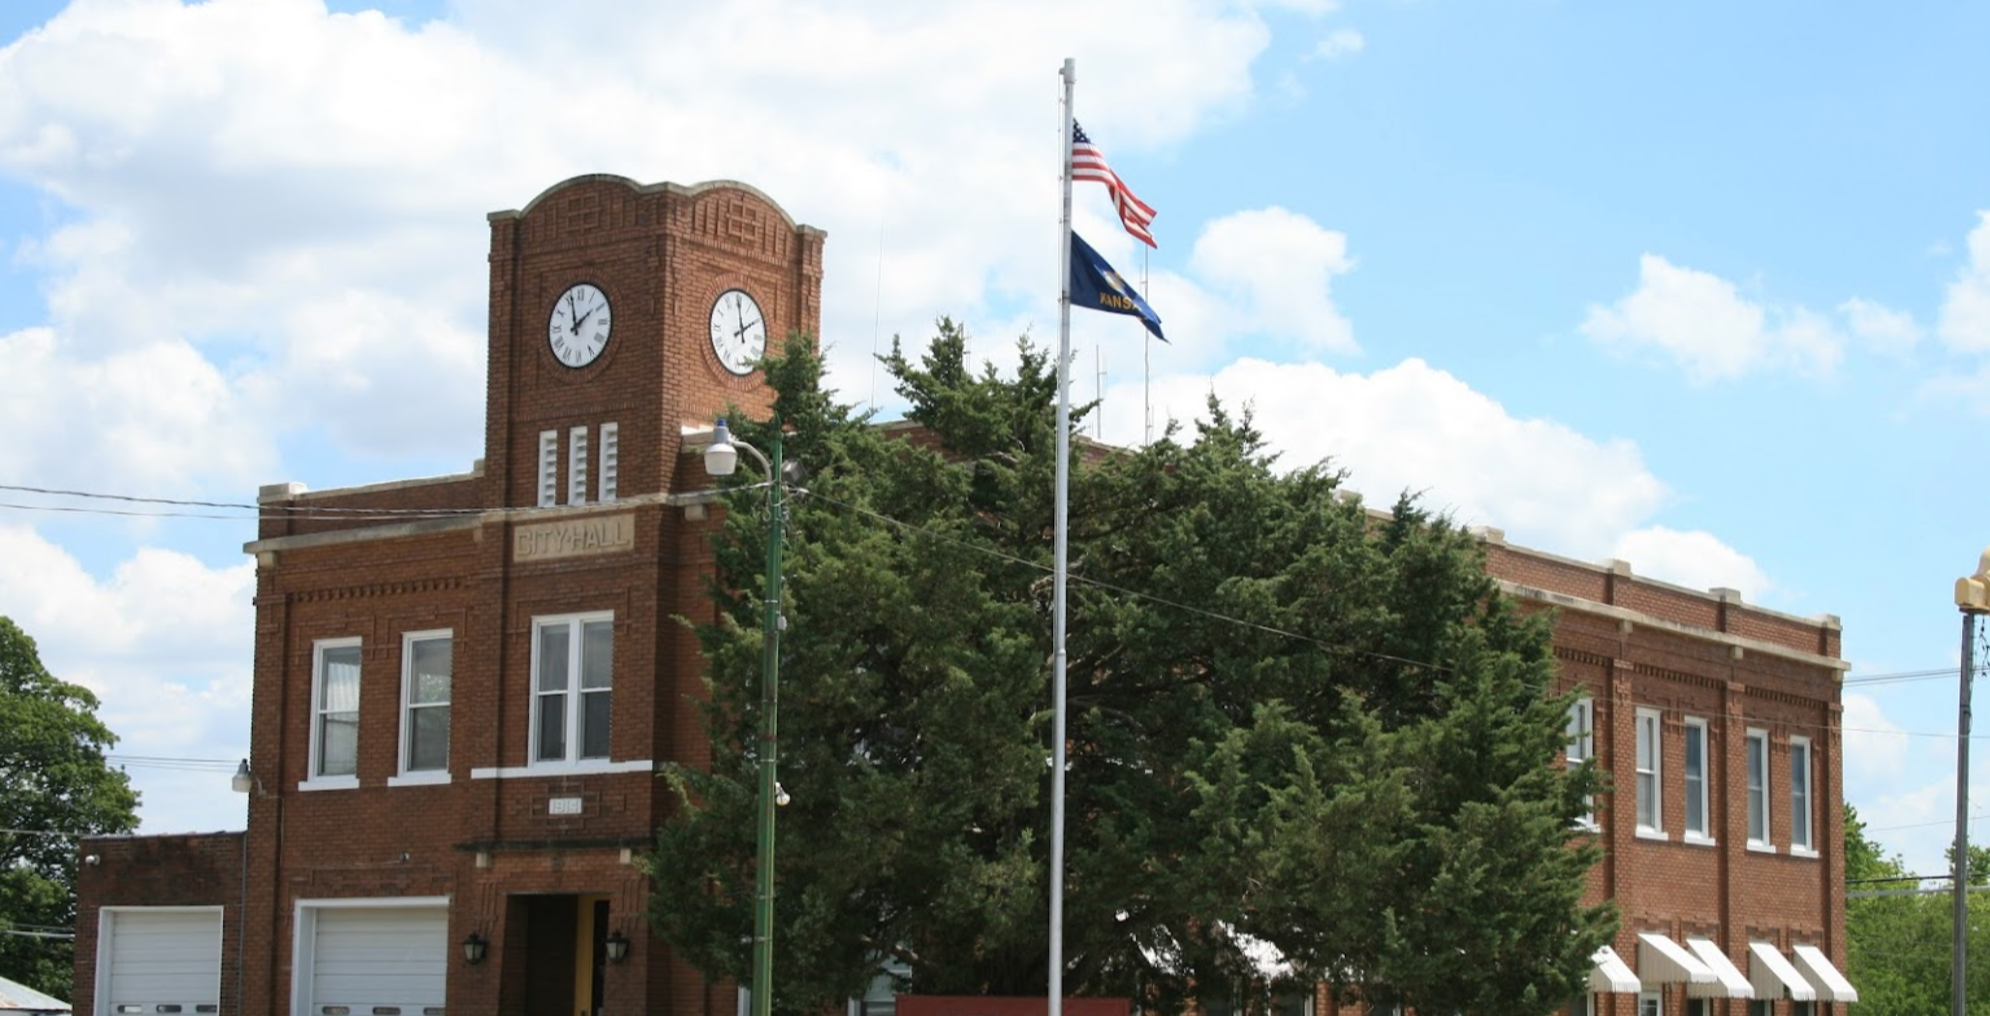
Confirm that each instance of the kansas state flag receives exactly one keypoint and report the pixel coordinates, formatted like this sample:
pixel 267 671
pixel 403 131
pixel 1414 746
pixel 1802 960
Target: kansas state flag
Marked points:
pixel 1095 286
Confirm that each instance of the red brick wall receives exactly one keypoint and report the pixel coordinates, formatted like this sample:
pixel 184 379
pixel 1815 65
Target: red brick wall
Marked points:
pixel 195 870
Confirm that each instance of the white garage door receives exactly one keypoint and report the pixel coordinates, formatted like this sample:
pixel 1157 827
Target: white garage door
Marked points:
pixel 387 960
pixel 160 961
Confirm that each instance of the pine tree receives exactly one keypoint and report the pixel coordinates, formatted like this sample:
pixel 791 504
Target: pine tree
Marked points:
pixel 1306 743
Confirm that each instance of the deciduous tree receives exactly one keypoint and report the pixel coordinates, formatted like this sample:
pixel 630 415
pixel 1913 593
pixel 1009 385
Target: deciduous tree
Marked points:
pixel 55 785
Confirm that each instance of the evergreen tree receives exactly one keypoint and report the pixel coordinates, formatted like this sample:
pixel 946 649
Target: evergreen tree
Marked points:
pixel 54 786
pixel 1305 744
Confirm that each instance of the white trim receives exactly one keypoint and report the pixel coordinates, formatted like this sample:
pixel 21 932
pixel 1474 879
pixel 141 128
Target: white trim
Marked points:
pixel 1704 834
pixel 420 778
pixel 1582 747
pixel 1652 720
pixel 1808 841
pixel 1611 973
pixel 1832 985
pixel 330 783
pixel 1663 961
pixel 107 935
pixel 586 767
pixel 609 475
pixel 405 776
pixel 1772 975
pixel 549 468
pixel 1730 983
pixel 1749 766
pixel 577 465
pixel 316 746
pixel 573 719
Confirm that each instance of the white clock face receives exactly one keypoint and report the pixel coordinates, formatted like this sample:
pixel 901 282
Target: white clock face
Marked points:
pixel 578 329
pixel 739 332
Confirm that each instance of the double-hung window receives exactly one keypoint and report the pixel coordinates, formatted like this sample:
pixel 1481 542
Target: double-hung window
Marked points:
pixel 1582 743
pixel 1800 771
pixel 334 713
pixel 1651 816
pixel 572 687
pixel 1757 758
pixel 427 663
pixel 1698 758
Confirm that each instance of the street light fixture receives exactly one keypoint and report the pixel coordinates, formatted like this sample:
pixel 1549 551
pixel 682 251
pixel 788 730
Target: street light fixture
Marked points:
pixel 721 459
pixel 1972 597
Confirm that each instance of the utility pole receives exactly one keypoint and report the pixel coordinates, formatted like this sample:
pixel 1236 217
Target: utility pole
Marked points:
pixel 1972 597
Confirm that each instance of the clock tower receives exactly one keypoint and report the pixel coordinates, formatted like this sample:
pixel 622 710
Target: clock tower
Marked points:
pixel 620 314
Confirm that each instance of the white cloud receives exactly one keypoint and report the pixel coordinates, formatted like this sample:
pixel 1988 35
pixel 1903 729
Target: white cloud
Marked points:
pixel 1278 267
pixel 1696 560
pixel 1965 314
pixel 166 645
pixel 158 414
pixel 1876 749
pixel 1339 43
pixel 1413 427
pixel 1882 328
pixel 1700 322
pixel 226 164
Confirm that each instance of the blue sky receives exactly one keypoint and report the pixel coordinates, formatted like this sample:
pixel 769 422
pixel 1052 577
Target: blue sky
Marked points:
pixel 1704 287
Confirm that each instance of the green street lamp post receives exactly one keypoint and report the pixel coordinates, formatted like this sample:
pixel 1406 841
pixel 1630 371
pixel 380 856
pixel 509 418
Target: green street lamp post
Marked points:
pixel 721 458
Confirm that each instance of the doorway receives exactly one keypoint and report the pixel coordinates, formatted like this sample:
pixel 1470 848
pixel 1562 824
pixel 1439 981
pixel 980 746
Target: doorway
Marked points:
pixel 566 954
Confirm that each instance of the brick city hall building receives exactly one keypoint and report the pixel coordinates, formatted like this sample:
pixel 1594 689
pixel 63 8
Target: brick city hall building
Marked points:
pixel 460 704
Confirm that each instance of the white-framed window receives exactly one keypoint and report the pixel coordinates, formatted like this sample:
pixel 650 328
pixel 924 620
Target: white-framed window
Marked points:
pixel 1582 744
pixel 572 687
pixel 1650 1003
pixel 611 460
pixel 334 714
pixel 428 662
pixel 1756 757
pixel 577 459
pixel 1651 815
pixel 1800 810
pixel 1697 779
pixel 1759 1007
pixel 549 468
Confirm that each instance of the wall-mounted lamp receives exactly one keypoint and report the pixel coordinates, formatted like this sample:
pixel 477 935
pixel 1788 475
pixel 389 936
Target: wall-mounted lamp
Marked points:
pixel 474 948
pixel 617 946
pixel 245 780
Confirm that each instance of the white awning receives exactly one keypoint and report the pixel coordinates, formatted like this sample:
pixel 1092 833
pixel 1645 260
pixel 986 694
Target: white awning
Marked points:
pixel 1663 961
pixel 1772 975
pixel 1832 985
pixel 1730 982
pixel 1612 973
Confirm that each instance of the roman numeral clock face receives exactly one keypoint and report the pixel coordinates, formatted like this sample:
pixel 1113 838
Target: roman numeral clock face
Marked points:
pixel 739 332
pixel 578 329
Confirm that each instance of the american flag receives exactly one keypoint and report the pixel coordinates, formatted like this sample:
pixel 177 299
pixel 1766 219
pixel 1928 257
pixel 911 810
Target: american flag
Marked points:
pixel 1088 163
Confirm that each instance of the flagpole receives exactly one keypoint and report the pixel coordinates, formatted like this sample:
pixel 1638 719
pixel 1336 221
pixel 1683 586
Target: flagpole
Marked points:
pixel 1070 76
